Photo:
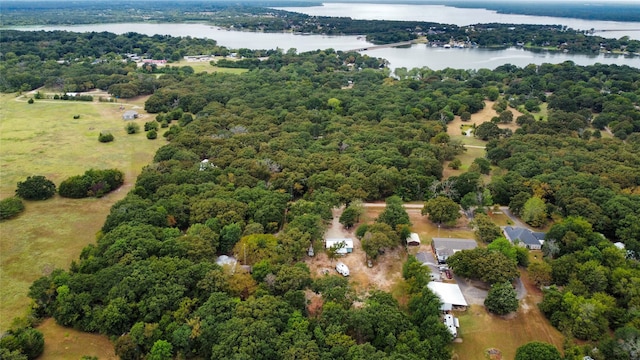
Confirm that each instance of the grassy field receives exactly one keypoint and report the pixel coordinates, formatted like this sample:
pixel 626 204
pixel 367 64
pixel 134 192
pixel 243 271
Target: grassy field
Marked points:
pixel 205 66
pixel 44 139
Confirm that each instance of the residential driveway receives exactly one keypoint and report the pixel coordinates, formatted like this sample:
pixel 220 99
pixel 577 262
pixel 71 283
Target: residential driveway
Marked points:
pixel 516 222
pixel 472 293
pixel 476 291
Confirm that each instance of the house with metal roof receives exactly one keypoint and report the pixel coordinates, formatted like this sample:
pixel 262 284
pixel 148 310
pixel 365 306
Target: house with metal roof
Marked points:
pixel 524 237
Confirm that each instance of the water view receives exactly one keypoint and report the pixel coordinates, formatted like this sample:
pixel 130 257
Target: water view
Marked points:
pixel 461 17
pixel 417 55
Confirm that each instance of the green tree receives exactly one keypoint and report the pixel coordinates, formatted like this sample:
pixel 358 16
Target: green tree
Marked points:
pixel 442 210
pixel 517 202
pixel 540 273
pixel 501 299
pixel 161 350
pixel 487 131
pixel 229 236
pixel 506 117
pixel 28 342
pixel 349 217
pixel 36 187
pixel 394 213
pixel 536 350
pixel 483 166
pixel 504 246
pixel 486 230
pixel 534 212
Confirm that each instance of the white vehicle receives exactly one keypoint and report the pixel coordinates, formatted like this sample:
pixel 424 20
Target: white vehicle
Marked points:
pixel 342 269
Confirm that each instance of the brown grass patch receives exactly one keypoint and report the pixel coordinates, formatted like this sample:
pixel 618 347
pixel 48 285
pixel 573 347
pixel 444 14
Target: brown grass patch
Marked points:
pixel 66 343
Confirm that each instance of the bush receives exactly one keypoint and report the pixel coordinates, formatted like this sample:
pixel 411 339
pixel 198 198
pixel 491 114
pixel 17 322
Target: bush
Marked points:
pixel 455 164
pixel 152 135
pixel 36 188
pixel 10 207
pixel 30 101
pixel 151 125
pixel 76 117
pixel 105 137
pixel 132 128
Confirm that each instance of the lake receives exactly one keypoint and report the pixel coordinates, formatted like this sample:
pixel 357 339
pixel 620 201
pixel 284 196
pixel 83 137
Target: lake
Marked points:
pixel 461 16
pixel 418 55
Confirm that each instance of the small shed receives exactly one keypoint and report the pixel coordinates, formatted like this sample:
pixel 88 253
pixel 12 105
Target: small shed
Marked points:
pixel 130 115
pixel 345 249
pixel 413 240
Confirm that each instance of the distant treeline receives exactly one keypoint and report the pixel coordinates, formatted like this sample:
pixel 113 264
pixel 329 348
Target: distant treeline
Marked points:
pixel 257 17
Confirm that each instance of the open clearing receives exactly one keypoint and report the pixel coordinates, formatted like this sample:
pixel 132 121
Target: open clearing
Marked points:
pixel 65 343
pixel 454 128
pixel 44 139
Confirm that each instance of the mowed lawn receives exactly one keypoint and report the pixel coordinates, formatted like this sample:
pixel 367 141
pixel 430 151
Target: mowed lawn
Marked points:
pixel 44 139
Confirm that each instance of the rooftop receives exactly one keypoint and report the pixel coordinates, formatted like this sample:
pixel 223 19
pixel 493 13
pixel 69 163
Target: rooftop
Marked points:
pixel 448 293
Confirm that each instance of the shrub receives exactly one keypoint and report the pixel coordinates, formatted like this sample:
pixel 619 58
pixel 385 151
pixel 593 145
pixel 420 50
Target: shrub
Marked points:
pixel 455 164
pixel 152 135
pixel 36 188
pixel 76 116
pixel 105 137
pixel 151 125
pixel 132 128
pixel 10 207
pixel 30 101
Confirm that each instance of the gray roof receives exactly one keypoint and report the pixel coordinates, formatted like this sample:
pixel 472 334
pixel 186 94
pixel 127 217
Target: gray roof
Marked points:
pixel 525 235
pixel 454 244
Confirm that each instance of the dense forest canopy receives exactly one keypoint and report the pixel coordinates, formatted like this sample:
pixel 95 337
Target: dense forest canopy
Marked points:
pixel 299 134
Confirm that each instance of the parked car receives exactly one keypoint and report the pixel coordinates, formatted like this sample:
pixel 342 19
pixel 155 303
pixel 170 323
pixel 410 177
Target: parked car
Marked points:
pixel 448 273
pixel 342 269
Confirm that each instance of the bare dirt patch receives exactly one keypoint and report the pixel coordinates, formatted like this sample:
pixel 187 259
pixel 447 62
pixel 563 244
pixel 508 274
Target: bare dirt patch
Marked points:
pixel 383 275
pixel 484 115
